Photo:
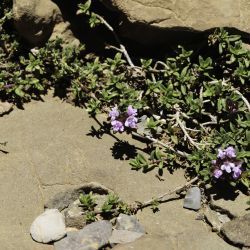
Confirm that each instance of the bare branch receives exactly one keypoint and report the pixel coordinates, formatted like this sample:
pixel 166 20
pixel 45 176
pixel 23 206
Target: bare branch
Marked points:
pixel 160 198
pixel 242 97
pixel 122 47
pixel 183 128
pixel 236 91
pixel 162 64
pixel 178 152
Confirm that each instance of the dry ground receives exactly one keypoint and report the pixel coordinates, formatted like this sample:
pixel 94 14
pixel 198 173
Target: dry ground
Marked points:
pixel 49 151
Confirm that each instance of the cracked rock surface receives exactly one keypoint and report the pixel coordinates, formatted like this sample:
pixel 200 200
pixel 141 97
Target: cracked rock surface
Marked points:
pixel 51 151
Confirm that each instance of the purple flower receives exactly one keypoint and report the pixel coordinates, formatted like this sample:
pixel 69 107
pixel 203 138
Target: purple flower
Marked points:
pixel 238 164
pixel 131 122
pixel 114 113
pixel 117 126
pixel 227 166
pixel 236 172
pixel 221 154
pixel 131 111
pixel 230 152
pixel 214 162
pixel 217 173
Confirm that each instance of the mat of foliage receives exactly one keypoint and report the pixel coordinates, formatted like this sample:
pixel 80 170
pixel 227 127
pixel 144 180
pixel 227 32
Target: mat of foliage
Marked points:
pixel 191 107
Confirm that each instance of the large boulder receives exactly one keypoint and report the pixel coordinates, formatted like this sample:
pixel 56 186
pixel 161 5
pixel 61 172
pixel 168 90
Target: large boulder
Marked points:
pixel 153 21
pixel 38 20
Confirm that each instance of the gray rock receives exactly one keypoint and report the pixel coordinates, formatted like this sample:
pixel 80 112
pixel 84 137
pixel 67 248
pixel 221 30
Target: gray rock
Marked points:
pixel 193 199
pixel 124 236
pixel 68 243
pixel 130 223
pixel 237 231
pixel 48 227
pixel 91 237
pixel 62 200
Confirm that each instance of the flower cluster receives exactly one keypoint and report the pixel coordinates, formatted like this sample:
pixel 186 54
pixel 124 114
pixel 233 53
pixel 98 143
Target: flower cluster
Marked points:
pixel 226 164
pixel 121 120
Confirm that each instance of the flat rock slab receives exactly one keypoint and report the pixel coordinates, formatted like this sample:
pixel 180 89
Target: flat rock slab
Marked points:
pixel 91 237
pixel 180 227
pixel 48 227
pixel 236 206
pixel 124 236
pixel 51 150
pixel 130 223
pixel 147 20
pixel 237 231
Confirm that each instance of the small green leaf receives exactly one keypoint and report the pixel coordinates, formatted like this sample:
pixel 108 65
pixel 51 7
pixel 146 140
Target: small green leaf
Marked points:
pixel 19 92
pixel 243 154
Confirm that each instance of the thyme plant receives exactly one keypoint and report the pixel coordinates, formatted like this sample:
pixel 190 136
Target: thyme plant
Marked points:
pixel 191 109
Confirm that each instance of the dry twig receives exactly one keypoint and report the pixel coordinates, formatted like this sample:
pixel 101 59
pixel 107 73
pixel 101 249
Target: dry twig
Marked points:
pixel 161 198
pixel 122 47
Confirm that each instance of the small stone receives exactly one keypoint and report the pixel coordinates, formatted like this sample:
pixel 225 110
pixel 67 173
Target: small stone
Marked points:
pixel 193 199
pixel 63 199
pixel 5 107
pixel 91 237
pixel 48 227
pixel 74 217
pixel 68 243
pixel 130 223
pixel 237 230
pixel 124 236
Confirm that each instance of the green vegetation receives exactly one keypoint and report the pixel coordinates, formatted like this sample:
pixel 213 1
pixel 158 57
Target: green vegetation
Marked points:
pixel 188 105
pixel 111 208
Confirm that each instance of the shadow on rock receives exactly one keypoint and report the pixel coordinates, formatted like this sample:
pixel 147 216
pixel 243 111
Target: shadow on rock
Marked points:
pixel 98 133
pixel 123 150
pixel 223 191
